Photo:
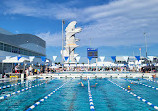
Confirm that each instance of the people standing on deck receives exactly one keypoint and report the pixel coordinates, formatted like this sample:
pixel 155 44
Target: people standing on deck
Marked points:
pixel 27 72
pixel 30 70
pixel 16 69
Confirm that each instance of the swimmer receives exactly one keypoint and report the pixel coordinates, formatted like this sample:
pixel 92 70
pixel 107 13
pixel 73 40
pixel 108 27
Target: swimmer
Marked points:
pixel 85 79
pixel 132 83
pixel 138 79
pixel 81 84
pixel 46 81
pixel 94 85
pixel 129 88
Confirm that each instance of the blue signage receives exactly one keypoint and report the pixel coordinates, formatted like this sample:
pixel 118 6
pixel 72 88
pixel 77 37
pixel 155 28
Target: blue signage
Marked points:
pixel 92 53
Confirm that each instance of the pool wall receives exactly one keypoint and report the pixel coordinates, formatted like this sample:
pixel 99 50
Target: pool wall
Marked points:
pixel 96 75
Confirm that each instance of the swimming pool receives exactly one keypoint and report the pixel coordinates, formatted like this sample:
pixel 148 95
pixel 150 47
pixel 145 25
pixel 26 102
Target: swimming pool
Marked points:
pixel 68 95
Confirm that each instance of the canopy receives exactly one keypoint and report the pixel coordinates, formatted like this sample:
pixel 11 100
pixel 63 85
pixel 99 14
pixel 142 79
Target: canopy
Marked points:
pixel 15 60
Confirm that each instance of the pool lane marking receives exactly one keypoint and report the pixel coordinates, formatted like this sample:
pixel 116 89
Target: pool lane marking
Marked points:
pixel 90 97
pixel 151 80
pixel 19 91
pixel 11 85
pixel 46 97
pixel 143 84
pixel 138 97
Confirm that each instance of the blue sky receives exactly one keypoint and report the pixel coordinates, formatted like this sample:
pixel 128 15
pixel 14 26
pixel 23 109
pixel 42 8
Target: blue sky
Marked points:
pixel 115 27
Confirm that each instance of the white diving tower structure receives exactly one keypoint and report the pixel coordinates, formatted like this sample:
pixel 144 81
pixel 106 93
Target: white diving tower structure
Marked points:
pixel 68 54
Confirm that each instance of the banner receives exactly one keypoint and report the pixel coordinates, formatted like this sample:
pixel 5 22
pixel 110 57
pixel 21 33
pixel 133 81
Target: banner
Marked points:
pixel 66 58
pixel 90 58
pixel 78 58
pixel 31 58
pixel 137 57
pixel 18 58
pixel 54 58
pixel 113 58
pixel 43 59
pixel 102 58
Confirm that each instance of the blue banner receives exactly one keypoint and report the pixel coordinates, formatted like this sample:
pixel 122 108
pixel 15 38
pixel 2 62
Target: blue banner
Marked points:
pixel 43 59
pixel 90 58
pixel 137 57
pixel 19 57
pixel 66 58
pixel 113 58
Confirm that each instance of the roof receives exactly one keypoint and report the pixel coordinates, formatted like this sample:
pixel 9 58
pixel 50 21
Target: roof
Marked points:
pixel 3 31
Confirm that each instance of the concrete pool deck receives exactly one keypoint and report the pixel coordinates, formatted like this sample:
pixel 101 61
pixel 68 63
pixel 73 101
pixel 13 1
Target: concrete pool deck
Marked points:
pixel 98 75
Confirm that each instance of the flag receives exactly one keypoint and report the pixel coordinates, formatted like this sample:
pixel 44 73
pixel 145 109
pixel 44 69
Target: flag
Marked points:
pixel 113 58
pixel 43 59
pixel 54 58
pixel 78 58
pixel 90 58
pixel 137 57
pixel 18 58
pixel 66 58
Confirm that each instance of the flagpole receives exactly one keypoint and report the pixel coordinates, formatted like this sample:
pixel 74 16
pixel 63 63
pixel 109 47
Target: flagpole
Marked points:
pixel 145 43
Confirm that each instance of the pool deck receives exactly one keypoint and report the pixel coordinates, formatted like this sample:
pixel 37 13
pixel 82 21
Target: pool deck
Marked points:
pixel 98 75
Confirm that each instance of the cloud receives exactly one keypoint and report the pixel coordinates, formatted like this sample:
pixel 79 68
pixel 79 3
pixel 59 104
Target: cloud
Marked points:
pixel 51 39
pixel 118 23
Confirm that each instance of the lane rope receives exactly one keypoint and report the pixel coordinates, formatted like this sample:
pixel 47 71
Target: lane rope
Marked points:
pixel 19 91
pixel 143 84
pixel 46 97
pixel 90 97
pixel 11 85
pixel 151 80
pixel 138 97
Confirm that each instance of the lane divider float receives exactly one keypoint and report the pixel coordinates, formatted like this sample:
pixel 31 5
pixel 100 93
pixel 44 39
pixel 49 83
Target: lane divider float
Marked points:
pixel 143 84
pixel 90 97
pixel 19 91
pixel 46 97
pixel 138 97
pixel 151 80
pixel 11 85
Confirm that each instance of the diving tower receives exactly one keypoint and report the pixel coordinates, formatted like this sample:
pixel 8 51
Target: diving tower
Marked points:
pixel 68 53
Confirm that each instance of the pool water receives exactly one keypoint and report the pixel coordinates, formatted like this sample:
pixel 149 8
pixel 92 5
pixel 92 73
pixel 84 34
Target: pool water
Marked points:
pixel 74 97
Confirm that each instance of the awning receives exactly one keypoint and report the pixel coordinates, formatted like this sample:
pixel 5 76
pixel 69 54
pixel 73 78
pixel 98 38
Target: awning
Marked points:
pixel 15 60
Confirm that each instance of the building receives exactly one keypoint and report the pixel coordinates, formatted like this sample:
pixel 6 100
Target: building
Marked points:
pixel 21 45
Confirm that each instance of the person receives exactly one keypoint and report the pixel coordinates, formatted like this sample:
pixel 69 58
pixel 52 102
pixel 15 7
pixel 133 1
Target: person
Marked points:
pixel 30 70
pixel 27 72
pixel 129 88
pixel 46 81
pixel 16 69
pixel 35 71
pixel 81 84
pixel 138 79
pixel 132 83
pixel 154 76
pixel 94 85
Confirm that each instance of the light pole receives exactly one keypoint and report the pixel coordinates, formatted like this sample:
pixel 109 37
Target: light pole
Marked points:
pixel 145 44
pixel 62 39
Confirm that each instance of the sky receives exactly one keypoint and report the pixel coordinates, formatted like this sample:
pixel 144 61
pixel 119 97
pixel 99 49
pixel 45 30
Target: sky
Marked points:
pixel 115 27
